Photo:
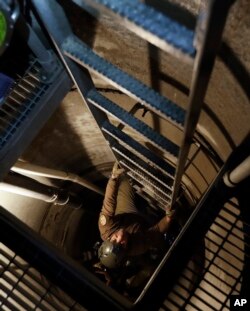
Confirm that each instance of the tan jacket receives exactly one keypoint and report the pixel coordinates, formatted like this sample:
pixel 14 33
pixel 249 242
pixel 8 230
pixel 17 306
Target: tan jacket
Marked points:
pixel 142 237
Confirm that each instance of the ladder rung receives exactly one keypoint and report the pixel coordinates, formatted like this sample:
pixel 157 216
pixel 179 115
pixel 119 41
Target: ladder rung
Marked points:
pixel 82 54
pixel 146 181
pixel 148 23
pixel 139 150
pixel 123 116
pixel 142 166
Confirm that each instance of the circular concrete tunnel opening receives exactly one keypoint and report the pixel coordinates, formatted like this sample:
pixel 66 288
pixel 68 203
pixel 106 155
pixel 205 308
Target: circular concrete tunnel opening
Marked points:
pixel 60 146
pixel 75 231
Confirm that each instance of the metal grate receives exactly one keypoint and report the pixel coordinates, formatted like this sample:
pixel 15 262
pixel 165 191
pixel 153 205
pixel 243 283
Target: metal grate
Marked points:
pixel 24 288
pixel 23 97
pixel 143 167
pixel 139 150
pixel 210 278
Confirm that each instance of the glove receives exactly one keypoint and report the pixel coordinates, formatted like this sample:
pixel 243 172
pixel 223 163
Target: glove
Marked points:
pixel 116 171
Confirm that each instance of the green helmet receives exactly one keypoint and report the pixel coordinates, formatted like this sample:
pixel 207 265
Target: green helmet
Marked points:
pixel 111 254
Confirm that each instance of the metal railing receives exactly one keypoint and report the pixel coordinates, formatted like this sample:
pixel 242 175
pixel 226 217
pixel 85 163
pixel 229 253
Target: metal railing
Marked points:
pixel 24 288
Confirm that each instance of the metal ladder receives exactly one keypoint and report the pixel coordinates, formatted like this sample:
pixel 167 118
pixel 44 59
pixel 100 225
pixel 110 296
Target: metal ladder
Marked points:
pixel 154 177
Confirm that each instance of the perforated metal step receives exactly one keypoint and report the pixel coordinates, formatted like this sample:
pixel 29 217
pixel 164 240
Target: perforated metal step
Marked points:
pixel 155 191
pixel 123 116
pixel 148 23
pixel 142 152
pixel 82 54
pixel 153 174
pixel 161 191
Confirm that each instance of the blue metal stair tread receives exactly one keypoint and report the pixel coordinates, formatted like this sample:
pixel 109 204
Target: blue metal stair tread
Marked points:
pixel 138 149
pixel 148 23
pixel 144 167
pixel 123 116
pixel 81 53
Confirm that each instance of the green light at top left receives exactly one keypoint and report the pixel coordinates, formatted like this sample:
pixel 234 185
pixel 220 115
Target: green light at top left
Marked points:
pixel 3 28
pixel 9 13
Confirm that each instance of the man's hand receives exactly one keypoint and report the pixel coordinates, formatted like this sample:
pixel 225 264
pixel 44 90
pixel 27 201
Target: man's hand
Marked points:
pixel 100 270
pixel 116 171
pixel 170 213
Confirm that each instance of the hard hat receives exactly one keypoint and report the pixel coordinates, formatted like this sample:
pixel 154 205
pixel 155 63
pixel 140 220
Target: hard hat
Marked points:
pixel 111 254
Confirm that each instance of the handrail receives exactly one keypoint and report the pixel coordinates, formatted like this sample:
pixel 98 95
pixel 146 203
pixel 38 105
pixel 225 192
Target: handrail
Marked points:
pixel 208 45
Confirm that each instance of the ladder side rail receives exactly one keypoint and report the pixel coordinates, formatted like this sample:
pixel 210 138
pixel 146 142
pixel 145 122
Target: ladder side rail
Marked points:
pixel 209 34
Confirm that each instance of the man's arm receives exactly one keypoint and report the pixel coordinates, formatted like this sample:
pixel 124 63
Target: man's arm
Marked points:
pixel 151 238
pixel 163 225
pixel 106 222
pixel 109 202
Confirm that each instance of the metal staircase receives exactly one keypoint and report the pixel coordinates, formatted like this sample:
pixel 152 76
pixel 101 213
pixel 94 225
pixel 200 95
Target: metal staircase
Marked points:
pixel 193 46
pixel 156 171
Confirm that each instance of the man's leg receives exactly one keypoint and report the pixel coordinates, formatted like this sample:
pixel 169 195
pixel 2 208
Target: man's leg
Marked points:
pixel 125 197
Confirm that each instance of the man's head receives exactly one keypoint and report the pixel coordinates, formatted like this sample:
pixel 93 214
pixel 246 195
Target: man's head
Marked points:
pixel 112 252
pixel 121 237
